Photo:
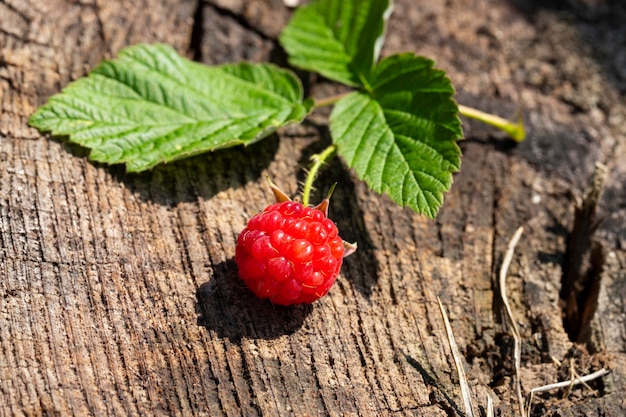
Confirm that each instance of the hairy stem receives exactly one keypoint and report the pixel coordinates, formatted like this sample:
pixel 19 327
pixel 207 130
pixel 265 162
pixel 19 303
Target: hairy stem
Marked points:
pixel 514 129
pixel 318 160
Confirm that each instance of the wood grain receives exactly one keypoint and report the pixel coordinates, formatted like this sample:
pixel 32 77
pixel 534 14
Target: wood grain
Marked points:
pixel 118 292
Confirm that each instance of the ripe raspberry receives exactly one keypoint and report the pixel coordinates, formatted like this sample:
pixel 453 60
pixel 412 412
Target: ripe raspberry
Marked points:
pixel 289 253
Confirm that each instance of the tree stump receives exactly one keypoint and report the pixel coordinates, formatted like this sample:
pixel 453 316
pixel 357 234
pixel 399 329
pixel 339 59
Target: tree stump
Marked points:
pixel 119 295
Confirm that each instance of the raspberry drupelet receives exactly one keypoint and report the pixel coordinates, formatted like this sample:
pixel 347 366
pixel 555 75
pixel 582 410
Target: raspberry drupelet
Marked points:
pixel 290 253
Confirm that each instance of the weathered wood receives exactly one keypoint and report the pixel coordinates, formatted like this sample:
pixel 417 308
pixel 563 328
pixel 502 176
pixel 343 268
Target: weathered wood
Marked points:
pixel 119 295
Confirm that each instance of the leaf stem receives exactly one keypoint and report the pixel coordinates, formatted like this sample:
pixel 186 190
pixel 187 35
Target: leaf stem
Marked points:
pixel 514 129
pixel 328 101
pixel 318 160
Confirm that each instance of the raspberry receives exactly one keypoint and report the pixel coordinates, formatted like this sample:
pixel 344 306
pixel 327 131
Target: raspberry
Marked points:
pixel 290 253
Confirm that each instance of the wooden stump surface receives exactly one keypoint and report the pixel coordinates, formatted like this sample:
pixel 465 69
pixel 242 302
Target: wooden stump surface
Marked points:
pixel 118 292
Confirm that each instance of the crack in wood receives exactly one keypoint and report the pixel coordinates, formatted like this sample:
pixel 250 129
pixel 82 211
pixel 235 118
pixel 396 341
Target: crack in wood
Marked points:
pixel 583 263
pixel 197 33
pixel 241 20
pixel 15 10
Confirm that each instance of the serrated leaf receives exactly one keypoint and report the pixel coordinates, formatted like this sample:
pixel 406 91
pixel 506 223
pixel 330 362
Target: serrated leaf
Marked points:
pixel 401 138
pixel 338 39
pixel 151 106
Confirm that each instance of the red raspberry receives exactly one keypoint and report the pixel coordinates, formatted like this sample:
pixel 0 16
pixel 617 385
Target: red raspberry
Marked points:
pixel 289 253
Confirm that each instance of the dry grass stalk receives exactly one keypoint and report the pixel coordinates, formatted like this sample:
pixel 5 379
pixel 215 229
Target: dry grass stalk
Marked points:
pixel 490 412
pixel 564 384
pixel 517 352
pixel 465 391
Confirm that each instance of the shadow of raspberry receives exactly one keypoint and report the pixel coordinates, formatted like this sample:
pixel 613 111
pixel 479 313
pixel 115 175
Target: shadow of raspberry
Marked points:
pixel 226 306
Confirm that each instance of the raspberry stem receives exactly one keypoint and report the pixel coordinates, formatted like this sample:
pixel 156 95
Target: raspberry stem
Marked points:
pixel 318 160
pixel 514 129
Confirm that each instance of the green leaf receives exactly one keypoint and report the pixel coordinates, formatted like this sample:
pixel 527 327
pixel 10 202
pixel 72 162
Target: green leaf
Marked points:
pixel 401 138
pixel 152 106
pixel 338 39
